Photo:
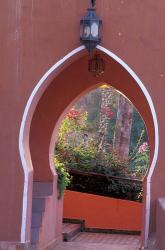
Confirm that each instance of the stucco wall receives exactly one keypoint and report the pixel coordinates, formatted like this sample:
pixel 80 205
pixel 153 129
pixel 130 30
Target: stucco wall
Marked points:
pixel 36 34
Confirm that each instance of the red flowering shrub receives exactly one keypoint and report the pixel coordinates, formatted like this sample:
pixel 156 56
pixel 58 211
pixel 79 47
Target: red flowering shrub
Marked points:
pixel 107 111
pixel 73 114
pixel 143 148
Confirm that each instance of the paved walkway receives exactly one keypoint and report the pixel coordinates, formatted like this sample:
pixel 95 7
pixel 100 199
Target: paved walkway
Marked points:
pixel 94 241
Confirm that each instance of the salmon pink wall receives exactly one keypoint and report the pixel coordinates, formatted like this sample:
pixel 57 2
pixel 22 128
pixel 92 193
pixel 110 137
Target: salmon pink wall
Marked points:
pixel 103 212
pixel 35 35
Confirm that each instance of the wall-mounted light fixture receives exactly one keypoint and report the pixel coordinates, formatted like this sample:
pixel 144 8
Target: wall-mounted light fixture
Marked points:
pixel 90 28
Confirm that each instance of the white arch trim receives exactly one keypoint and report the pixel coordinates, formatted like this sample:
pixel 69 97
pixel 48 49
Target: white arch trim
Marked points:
pixel 28 109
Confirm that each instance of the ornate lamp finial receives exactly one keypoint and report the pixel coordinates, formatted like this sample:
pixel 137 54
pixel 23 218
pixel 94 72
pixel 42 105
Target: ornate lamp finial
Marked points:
pixel 93 3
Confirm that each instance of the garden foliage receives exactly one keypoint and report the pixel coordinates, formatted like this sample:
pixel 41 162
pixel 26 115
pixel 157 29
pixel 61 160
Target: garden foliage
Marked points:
pixel 77 149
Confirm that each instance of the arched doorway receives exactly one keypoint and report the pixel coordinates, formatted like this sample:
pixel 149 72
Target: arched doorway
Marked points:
pixel 53 95
pixel 98 141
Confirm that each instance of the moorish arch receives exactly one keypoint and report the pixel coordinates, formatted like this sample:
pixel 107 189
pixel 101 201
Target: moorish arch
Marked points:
pixel 55 93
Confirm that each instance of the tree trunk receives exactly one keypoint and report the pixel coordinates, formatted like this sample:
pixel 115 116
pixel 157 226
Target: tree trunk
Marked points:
pixel 123 129
pixel 106 96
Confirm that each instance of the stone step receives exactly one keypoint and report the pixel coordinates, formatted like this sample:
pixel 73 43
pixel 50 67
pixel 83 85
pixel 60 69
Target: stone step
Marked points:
pixel 33 247
pixel 36 220
pixel 70 230
pixel 38 204
pixel 75 221
pixel 42 189
pixel 35 235
pixel 94 246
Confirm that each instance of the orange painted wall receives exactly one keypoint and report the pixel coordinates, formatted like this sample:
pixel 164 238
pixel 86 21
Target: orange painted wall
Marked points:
pixel 103 212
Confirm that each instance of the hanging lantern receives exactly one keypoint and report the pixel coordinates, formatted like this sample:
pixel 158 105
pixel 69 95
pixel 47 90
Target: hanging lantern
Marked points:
pixel 96 65
pixel 90 28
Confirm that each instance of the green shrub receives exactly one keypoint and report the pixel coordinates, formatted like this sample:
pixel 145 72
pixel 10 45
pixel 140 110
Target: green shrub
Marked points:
pixel 139 164
pixel 63 178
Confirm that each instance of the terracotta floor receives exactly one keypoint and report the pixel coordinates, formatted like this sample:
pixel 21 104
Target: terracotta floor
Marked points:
pixel 94 241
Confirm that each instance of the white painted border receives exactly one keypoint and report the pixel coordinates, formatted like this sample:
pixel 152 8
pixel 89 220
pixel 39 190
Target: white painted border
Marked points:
pixel 28 109
pixel 22 134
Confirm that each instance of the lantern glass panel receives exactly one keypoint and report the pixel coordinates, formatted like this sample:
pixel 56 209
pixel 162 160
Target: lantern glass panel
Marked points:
pixel 95 29
pixel 86 31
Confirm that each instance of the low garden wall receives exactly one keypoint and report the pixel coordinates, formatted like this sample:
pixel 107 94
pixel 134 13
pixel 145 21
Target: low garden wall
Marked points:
pixel 103 212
